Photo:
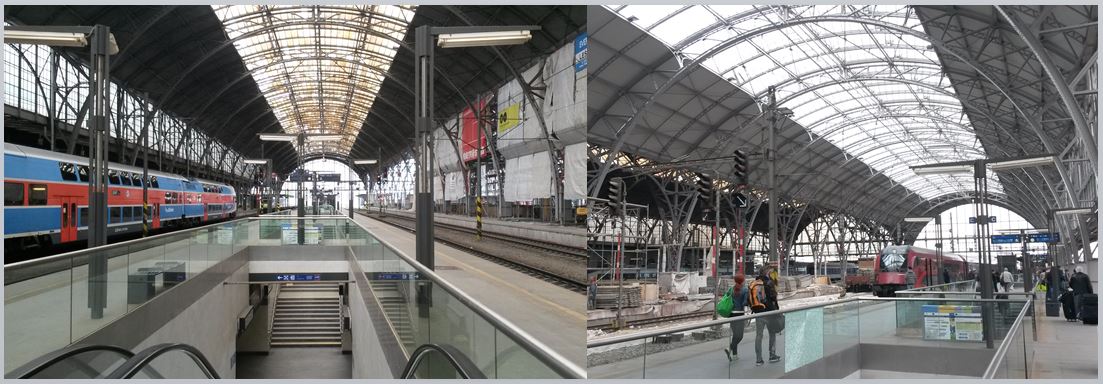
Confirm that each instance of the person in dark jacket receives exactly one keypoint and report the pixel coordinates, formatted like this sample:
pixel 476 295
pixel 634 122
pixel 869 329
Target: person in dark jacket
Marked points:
pixel 946 275
pixel 739 294
pixel 591 293
pixel 1080 284
pixel 765 276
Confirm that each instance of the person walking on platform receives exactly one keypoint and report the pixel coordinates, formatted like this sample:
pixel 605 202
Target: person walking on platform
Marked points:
pixel 1081 285
pixel 945 275
pixel 739 293
pixel 763 298
pixel 1006 279
pixel 909 278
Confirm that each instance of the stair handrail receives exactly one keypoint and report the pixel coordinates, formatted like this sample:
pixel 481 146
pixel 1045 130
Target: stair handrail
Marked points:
pixel 142 359
pixel 43 362
pixel 1005 345
pixel 273 295
pixel 456 358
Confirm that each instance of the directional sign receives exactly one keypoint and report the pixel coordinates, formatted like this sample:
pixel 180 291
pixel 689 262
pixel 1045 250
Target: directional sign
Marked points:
pixel 1047 237
pixel 1005 239
pixel 299 277
pixel 740 200
pixel 991 219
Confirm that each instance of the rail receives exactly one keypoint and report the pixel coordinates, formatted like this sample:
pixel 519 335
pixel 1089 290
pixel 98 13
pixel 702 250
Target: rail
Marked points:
pixel 1005 346
pixel 142 359
pixel 556 362
pixel 458 360
pixel 44 362
pixel 711 323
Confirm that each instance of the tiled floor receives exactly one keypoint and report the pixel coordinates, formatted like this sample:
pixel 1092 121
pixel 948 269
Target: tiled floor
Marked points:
pixel 1065 350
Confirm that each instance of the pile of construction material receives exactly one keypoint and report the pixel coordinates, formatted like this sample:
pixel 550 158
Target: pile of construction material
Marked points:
pixel 631 296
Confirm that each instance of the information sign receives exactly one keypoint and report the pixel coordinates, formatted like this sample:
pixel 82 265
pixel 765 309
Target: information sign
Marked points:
pixel 581 48
pixel 395 276
pixel 952 322
pixel 1005 239
pixel 299 277
pixel 1048 237
pixel 290 234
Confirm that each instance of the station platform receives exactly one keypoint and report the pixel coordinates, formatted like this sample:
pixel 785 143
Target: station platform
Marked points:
pixel 559 318
pixel 245 296
pixel 545 232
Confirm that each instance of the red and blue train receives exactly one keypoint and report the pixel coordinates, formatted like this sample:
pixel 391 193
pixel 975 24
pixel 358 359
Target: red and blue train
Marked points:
pixel 46 199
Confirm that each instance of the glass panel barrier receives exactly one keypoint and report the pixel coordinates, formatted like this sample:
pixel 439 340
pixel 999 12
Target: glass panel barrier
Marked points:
pixel 810 334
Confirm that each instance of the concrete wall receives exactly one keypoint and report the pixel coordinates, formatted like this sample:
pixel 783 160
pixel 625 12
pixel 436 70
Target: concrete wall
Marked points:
pixel 255 338
pixel 209 324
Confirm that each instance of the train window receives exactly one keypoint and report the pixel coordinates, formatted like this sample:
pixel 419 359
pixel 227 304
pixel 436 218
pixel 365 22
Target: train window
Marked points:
pixel 82 172
pixel 68 173
pixel 83 217
pixel 136 179
pixel 168 197
pixel 113 176
pixel 153 182
pixel 124 178
pixel 13 193
pixel 37 195
pixel 116 215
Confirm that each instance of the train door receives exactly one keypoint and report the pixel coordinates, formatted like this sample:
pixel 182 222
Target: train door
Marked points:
pixel 156 216
pixel 68 219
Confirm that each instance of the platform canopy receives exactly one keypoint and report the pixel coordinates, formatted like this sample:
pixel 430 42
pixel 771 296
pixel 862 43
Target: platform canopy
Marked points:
pixel 873 90
pixel 236 71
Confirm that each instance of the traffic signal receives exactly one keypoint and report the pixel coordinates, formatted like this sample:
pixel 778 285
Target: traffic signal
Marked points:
pixel 616 196
pixel 739 167
pixel 704 188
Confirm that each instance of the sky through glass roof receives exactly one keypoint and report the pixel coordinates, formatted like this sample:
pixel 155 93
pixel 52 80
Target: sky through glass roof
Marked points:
pixel 878 94
pixel 319 67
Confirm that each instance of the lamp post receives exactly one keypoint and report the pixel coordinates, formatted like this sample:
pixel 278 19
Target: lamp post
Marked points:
pixel 449 37
pixel 979 168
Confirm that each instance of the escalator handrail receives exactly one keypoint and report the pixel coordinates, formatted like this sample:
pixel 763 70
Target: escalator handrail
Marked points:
pixel 142 359
pixel 40 364
pixel 457 359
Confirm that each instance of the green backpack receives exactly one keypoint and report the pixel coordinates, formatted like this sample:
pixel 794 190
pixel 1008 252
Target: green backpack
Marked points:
pixel 724 306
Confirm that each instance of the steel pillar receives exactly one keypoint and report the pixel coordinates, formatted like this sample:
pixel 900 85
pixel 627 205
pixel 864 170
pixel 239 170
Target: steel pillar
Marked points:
pixel 423 121
pixel 98 130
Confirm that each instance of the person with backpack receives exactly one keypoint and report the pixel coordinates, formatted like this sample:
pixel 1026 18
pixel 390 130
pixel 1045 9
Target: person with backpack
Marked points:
pixel 763 298
pixel 1006 279
pixel 739 293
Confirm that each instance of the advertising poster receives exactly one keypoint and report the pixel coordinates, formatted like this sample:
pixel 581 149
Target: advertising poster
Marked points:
pixel 952 322
pixel 509 117
pixel 581 46
pixel 469 132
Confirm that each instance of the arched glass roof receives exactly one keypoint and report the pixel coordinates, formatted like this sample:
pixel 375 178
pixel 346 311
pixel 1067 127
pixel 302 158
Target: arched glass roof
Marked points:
pixel 319 67
pixel 879 94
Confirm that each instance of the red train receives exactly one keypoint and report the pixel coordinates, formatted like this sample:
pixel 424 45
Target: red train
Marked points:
pixel 890 270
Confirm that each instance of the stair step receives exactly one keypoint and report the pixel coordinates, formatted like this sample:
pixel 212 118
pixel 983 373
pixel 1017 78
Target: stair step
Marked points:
pixel 283 339
pixel 300 320
pixel 306 344
pixel 304 333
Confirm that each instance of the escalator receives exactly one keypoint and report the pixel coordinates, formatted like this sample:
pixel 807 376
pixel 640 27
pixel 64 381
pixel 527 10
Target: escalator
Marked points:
pixel 173 360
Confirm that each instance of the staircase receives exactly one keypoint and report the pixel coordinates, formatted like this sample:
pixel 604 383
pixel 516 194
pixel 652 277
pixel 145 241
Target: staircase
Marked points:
pixel 307 315
pixel 395 308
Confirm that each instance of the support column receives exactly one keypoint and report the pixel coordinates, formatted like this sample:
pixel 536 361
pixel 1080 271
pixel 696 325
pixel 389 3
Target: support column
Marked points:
pixel 771 179
pixel 980 183
pixel 300 203
pixel 423 185
pixel 98 131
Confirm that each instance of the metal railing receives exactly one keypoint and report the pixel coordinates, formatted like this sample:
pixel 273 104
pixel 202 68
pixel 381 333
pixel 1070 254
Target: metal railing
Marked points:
pixel 143 359
pixel 45 362
pixel 553 360
pixel 1007 345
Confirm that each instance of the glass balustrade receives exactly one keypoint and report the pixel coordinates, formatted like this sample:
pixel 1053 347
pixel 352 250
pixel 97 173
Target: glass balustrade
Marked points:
pixel 48 301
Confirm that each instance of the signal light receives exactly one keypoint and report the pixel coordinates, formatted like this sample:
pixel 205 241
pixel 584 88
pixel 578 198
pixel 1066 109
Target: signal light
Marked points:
pixel 616 196
pixel 739 167
pixel 704 188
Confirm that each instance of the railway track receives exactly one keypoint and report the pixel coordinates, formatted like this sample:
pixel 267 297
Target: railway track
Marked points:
pixel 656 320
pixel 553 263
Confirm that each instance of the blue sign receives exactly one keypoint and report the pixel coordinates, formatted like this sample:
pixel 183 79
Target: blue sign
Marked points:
pixel 299 277
pixel 1044 237
pixel 581 49
pixel 1005 239
pixel 395 276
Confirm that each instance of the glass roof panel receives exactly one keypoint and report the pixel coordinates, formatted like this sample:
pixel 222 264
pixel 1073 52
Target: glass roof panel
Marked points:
pixel 319 67
pixel 878 94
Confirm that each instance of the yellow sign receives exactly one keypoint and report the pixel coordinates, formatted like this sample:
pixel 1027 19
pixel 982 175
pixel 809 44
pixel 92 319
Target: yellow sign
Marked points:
pixel 581 211
pixel 509 117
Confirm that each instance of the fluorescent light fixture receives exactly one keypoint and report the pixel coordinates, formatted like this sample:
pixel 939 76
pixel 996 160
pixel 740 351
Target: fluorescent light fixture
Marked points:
pixel 1021 163
pixel 1073 211
pixel 364 161
pixel 277 137
pixel 324 137
pixel 943 169
pixel 57 39
pixel 256 161
pixel 918 219
pixel 483 39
